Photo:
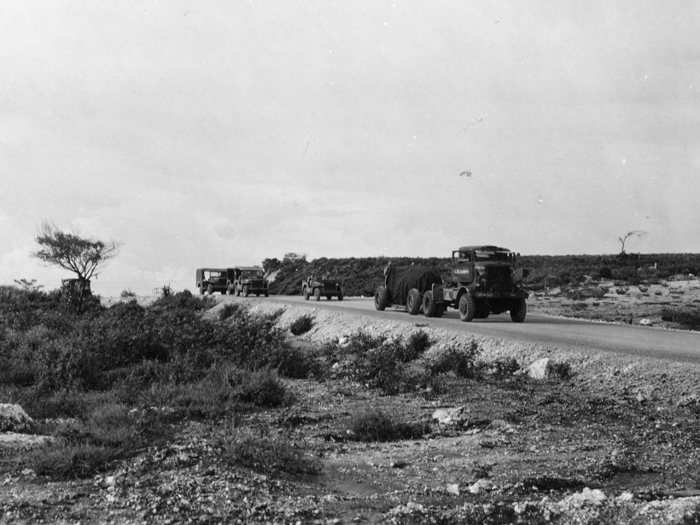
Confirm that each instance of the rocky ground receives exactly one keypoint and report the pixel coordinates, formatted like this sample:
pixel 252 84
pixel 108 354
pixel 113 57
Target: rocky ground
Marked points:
pixel 616 440
pixel 634 304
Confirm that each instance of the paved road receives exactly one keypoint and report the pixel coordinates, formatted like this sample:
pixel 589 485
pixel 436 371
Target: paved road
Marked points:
pixel 564 333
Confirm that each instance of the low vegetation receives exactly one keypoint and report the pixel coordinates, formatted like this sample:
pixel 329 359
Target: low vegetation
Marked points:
pixel 127 371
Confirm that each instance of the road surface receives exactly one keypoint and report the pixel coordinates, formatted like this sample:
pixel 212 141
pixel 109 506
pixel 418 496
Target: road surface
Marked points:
pixel 676 345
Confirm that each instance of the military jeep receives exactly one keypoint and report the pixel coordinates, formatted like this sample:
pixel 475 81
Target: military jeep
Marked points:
pixel 210 280
pixel 249 280
pixel 328 287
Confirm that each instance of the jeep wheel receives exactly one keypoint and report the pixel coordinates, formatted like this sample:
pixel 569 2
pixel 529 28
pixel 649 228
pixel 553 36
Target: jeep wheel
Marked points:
pixel 317 294
pixel 518 311
pixel 466 307
pixel 430 307
pixel 413 301
pixel 381 298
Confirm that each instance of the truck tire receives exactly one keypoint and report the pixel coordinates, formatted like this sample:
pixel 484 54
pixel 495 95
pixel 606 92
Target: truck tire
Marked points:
pixel 245 291
pixel 340 296
pixel 381 298
pixel 518 311
pixel 413 301
pixel 317 294
pixel 306 294
pixel 210 289
pixel 430 307
pixel 466 307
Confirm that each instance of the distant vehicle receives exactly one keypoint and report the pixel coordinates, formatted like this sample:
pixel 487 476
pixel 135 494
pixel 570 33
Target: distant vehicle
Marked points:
pixel 482 281
pixel 210 280
pixel 248 280
pixel 329 287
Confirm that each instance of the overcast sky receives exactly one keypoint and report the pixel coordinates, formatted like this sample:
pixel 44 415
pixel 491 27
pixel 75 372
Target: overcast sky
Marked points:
pixel 219 133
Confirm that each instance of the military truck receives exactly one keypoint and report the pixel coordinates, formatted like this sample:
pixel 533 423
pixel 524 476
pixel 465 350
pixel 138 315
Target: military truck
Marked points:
pixel 328 287
pixel 210 280
pixel 482 281
pixel 248 280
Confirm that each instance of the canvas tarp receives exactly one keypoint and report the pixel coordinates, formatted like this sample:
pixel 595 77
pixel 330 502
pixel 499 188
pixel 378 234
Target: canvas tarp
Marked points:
pixel 400 280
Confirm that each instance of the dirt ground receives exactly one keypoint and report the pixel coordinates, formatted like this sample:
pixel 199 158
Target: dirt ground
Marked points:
pixel 618 442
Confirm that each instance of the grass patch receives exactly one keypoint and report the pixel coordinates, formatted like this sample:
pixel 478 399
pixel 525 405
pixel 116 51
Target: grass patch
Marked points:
pixel 302 325
pixel 376 425
pixel 686 318
pixel 266 453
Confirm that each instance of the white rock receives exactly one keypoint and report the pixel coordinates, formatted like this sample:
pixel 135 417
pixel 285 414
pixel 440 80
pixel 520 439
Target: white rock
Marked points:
pixel 540 369
pixel 13 418
pixel 14 440
pixel 645 322
pixel 452 488
pixel 625 496
pixel 587 496
pixel 480 486
pixel 450 416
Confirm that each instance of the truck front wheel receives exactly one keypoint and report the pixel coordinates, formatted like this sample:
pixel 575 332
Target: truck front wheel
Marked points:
pixel 466 307
pixel 518 311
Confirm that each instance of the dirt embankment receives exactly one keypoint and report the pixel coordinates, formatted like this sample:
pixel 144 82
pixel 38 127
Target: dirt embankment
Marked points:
pixel 644 379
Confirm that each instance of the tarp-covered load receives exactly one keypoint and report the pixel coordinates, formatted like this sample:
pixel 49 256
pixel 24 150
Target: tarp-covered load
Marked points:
pixel 400 280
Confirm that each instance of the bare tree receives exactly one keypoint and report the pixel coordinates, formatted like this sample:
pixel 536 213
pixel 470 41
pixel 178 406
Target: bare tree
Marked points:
pixel 79 255
pixel 624 238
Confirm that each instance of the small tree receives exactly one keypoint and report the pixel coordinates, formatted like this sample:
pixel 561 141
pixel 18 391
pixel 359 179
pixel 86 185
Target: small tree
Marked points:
pixel 76 254
pixel 624 238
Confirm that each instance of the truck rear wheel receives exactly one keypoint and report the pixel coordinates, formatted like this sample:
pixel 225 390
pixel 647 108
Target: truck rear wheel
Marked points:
pixel 518 311
pixel 306 294
pixel 430 307
pixel 466 307
pixel 317 294
pixel 381 298
pixel 413 301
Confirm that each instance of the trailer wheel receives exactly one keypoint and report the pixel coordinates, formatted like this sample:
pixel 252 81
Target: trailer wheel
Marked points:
pixel 317 294
pixel 413 301
pixel 381 298
pixel 518 311
pixel 430 307
pixel 466 307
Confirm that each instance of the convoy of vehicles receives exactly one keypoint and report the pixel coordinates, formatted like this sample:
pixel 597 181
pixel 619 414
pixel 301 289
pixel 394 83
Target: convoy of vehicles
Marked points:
pixel 317 288
pixel 482 280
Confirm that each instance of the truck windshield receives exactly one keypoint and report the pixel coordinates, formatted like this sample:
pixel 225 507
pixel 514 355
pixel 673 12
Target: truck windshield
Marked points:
pixel 492 255
pixel 250 274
